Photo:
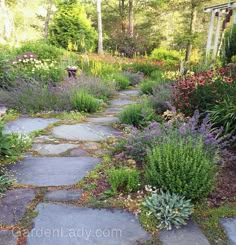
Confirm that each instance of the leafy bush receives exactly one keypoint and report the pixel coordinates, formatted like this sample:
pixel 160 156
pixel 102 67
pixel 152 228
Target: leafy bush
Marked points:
pixel 145 67
pixel 229 46
pixel 33 97
pixel 84 102
pixel 136 143
pixel 223 115
pixel 122 81
pixel 203 90
pixel 28 66
pixel 123 179
pixel 147 86
pixel 163 54
pixel 181 166
pixel 169 209
pixel 42 49
pixel 5 183
pixel 71 28
pixel 134 78
pixel 161 97
pixel 136 115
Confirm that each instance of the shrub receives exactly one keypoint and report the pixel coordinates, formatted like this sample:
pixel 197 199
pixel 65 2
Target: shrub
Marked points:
pixel 134 78
pixel 33 97
pixel 203 90
pixel 136 115
pixel 146 67
pixel 71 28
pixel 147 86
pixel 136 143
pixel 5 144
pixel 161 97
pixel 42 49
pixel 123 179
pixel 95 86
pixel 229 46
pixel 163 54
pixel 28 66
pixel 121 80
pixel 169 209
pixel 223 115
pixel 181 166
pixel 84 102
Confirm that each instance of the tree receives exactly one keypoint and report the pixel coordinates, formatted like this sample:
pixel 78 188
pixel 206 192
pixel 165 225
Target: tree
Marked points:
pixel 7 29
pixel 71 28
pixel 100 35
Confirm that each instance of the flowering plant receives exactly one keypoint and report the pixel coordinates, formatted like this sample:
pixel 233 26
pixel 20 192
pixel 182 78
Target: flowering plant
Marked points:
pixel 203 90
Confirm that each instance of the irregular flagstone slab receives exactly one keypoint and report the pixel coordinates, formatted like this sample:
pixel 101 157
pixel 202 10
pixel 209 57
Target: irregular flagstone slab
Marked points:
pixel 52 171
pixel 121 102
pixel 186 235
pixel 50 149
pixel 44 138
pixel 113 110
pixel 85 226
pixel 105 120
pixel 229 225
pixel 83 132
pixel 28 125
pixel 79 153
pixel 13 205
pixel 131 92
pixel 63 196
pixel 8 238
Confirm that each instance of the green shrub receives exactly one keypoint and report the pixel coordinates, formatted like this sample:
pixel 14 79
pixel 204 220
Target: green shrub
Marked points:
pixel 121 80
pixel 229 46
pixel 157 75
pixel 223 115
pixel 123 179
pixel 71 28
pixel 145 68
pixel 169 209
pixel 42 49
pixel 181 166
pixel 5 183
pixel 84 102
pixel 136 115
pixel 5 144
pixel 163 54
pixel 147 86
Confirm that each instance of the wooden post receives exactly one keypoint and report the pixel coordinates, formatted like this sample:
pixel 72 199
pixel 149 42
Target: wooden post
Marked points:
pixel 217 35
pixel 210 32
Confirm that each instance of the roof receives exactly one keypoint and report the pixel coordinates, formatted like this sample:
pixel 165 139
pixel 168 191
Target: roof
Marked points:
pixel 220 6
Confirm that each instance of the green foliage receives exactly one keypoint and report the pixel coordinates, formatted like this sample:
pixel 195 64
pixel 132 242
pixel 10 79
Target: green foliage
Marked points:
pixel 163 54
pixel 5 183
pixel 5 144
pixel 229 45
pixel 146 68
pixel 137 115
pixel 181 166
pixel 84 102
pixel 121 80
pixel 124 179
pixel 71 28
pixel 169 209
pixel 223 115
pixel 147 86
pixel 12 145
pixel 42 49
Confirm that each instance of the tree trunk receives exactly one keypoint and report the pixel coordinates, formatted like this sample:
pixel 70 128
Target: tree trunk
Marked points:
pixel 7 31
pixel 191 32
pixel 131 18
pixel 48 18
pixel 100 36
pixel 122 15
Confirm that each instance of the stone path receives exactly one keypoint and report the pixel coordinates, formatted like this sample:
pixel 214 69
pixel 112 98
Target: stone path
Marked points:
pixel 60 159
